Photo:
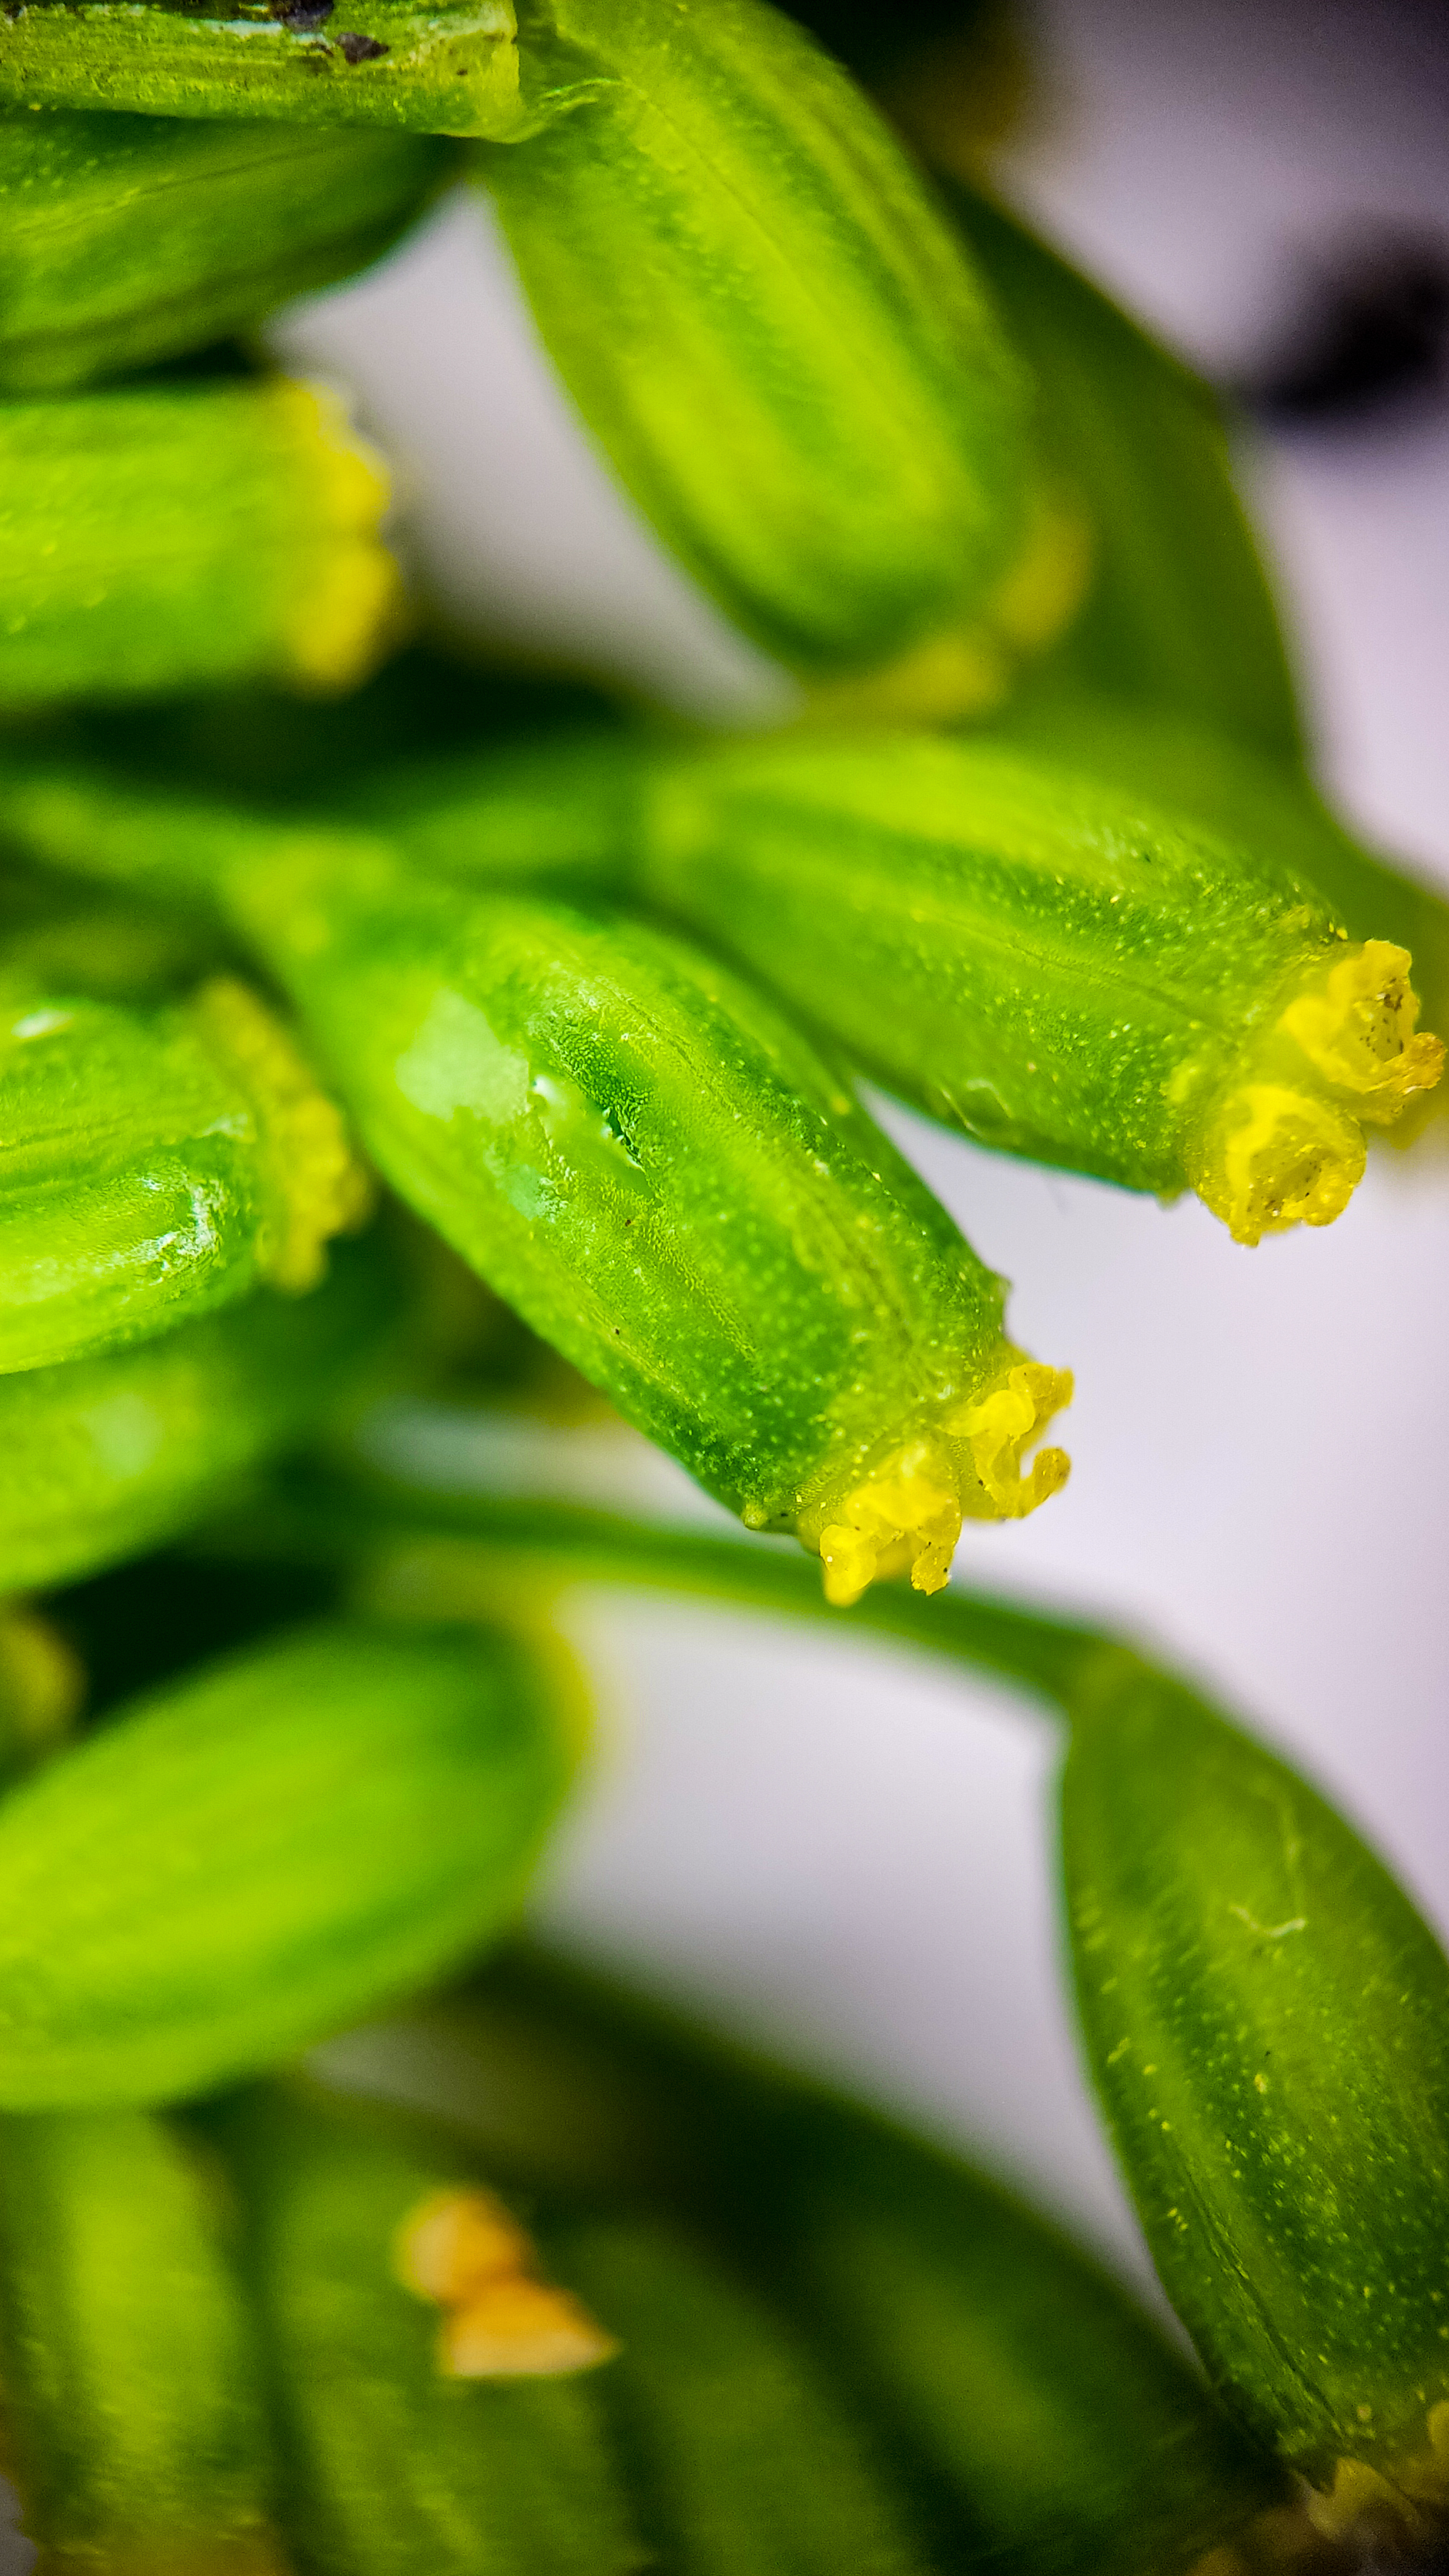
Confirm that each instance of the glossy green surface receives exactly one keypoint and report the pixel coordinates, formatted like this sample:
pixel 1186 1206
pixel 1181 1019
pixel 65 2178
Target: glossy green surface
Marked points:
pixel 447 68
pixel 388 2468
pixel 745 2456
pixel 135 1189
pixel 766 325
pixel 127 239
pixel 184 536
pixel 1179 613
pixel 288 1836
pixel 1061 968
pixel 643 1158
pixel 133 2410
pixel 1267 2024
pixel 106 1456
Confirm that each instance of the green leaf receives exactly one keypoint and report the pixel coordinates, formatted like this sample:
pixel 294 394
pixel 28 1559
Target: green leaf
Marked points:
pixel 263 1848
pixel 1267 2023
pixel 133 2407
pixel 127 239
pixel 186 536
pixel 766 325
pixel 450 67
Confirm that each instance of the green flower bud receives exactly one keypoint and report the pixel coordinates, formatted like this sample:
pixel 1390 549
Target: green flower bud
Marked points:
pixel 133 2421
pixel 747 2455
pixel 1267 2022
pixel 767 326
pixel 158 1164
pixel 124 240
pixel 449 67
pixel 264 1848
pixel 1179 614
pixel 642 1156
pixel 171 538
pixel 1257 802
pixel 1055 965
pixel 370 2248
pixel 1040 2419
pixel 104 1457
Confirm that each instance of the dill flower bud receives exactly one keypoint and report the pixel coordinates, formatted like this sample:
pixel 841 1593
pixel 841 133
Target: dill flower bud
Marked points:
pixel 449 67
pixel 158 1164
pixel 381 2269
pixel 1265 2019
pixel 124 240
pixel 182 536
pixel 263 1848
pixel 106 1456
pixel 1053 963
pixel 134 2422
pixel 766 324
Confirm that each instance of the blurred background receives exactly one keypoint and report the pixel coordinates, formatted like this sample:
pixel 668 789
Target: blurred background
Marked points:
pixel 823 1846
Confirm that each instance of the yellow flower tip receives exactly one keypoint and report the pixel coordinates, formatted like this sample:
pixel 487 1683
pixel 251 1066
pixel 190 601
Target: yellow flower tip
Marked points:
pixel 349 603
pixel 321 1187
pixel 522 2329
pixel 905 1517
pixel 1274 1158
pixel 1000 1426
pixel 42 1684
pixel 455 2244
pixel 1357 1023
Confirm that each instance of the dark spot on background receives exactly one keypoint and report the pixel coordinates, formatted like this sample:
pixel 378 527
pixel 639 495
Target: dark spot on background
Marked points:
pixel 1369 332
pixel 362 49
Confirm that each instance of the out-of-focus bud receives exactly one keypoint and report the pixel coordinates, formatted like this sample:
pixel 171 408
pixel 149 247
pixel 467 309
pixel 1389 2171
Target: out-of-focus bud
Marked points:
pixel 104 1457
pixel 264 1848
pixel 450 67
pixel 1056 965
pixel 42 1687
pixel 638 1152
pixel 381 2270
pixel 157 1164
pixel 182 536
pixel 739 2437
pixel 1267 2024
pixel 1179 614
pixel 767 325
pixel 134 2426
pixel 127 240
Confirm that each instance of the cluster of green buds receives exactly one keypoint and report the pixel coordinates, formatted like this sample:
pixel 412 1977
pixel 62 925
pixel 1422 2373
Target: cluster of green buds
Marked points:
pixel 561 1011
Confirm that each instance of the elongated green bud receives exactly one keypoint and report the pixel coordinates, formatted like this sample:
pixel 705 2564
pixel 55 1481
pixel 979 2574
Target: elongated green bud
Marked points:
pixel 381 2270
pixel 1267 2023
pixel 1039 2416
pixel 1179 615
pixel 133 2420
pixel 450 67
pixel 124 240
pixel 1192 769
pixel 173 538
pixel 262 1849
pixel 157 1164
pixel 767 326
pixel 1059 967
pixel 104 1457
pixel 746 2452
pixel 643 1157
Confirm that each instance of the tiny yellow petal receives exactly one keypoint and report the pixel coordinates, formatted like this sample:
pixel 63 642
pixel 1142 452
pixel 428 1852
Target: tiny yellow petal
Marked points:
pixel 1357 1026
pixel 456 2243
pixel 1274 1158
pixel 521 2329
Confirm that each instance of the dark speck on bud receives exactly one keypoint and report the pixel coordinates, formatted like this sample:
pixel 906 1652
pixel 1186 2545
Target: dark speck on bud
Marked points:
pixel 362 49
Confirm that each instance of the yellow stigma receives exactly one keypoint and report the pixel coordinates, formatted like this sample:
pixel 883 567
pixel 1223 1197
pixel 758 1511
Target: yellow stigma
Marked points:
pixel 905 1516
pixel 1274 1158
pixel 1358 1026
pixel 462 2249
pixel 321 1187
